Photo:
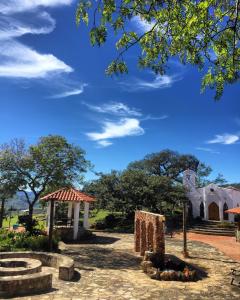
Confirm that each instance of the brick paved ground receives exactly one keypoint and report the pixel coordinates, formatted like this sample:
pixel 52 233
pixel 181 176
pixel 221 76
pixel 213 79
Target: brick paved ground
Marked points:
pixel 108 269
pixel 226 244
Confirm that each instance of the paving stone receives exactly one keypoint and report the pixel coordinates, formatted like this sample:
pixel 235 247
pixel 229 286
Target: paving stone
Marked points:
pixel 109 269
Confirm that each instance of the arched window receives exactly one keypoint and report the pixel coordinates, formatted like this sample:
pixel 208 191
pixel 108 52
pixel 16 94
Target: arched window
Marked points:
pixel 202 210
pixel 225 215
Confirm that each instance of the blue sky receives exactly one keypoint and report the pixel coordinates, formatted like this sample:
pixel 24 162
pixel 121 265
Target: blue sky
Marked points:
pixel 52 82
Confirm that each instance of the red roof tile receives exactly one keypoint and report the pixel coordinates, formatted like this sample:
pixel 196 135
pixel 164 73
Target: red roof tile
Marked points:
pixel 68 194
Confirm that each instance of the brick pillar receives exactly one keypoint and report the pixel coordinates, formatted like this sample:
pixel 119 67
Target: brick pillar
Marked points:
pixel 159 240
pixel 143 240
pixel 137 235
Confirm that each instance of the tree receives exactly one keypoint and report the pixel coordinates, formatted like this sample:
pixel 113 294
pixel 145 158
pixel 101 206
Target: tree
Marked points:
pixel 52 161
pixel 203 33
pixel 170 164
pixel 130 190
pixel 7 190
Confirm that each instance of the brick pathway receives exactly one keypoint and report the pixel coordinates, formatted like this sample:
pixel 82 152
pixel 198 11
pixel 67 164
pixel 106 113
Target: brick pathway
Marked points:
pixel 108 269
pixel 226 244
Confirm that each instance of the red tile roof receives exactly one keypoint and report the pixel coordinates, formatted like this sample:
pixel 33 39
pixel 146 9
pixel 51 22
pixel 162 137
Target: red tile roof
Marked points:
pixel 68 194
pixel 235 210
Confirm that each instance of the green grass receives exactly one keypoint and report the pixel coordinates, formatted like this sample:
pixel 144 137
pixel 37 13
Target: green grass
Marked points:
pixel 94 217
pixel 14 220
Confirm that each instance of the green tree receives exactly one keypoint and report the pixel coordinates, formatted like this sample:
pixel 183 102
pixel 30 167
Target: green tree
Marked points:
pixel 170 164
pixel 203 33
pixel 7 190
pixel 51 162
pixel 130 190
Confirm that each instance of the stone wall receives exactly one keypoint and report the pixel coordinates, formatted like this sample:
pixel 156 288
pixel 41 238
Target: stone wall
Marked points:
pixel 65 264
pixel 149 233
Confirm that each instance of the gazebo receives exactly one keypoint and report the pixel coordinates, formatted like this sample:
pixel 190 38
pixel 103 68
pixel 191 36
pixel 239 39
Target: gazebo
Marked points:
pixel 235 211
pixel 74 198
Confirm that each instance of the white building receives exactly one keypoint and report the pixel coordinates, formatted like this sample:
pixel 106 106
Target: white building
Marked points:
pixel 211 201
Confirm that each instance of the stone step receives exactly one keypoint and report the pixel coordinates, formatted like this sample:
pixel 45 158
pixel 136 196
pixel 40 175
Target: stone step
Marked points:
pixel 212 229
pixel 212 232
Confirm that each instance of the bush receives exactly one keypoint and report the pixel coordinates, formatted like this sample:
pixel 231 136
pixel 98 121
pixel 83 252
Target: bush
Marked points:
pixel 110 221
pixel 11 241
pixel 29 224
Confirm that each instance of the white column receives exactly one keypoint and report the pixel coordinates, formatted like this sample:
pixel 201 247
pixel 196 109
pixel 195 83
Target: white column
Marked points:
pixel 70 205
pixel 76 220
pixel 220 210
pixel 86 213
pixel 205 204
pixel 48 216
pixel 54 212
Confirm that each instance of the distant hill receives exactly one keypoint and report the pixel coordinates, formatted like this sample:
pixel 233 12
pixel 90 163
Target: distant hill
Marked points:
pixel 19 201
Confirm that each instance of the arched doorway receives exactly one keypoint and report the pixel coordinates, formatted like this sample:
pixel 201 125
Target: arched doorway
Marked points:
pixel 202 210
pixel 225 215
pixel 213 212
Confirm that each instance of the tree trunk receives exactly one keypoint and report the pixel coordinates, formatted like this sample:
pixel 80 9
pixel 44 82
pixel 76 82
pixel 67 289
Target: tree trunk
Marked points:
pixel 185 252
pixel 2 212
pixel 30 207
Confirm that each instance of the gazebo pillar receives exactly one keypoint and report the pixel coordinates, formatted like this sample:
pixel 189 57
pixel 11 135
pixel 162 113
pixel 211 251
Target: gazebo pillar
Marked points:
pixel 86 214
pixel 76 220
pixel 70 206
pixel 49 215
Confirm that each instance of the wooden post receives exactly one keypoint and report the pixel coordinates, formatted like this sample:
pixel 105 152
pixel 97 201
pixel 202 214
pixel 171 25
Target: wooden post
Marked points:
pixel 185 252
pixel 50 237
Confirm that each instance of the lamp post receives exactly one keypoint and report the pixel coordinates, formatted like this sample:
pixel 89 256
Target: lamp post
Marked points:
pixel 185 251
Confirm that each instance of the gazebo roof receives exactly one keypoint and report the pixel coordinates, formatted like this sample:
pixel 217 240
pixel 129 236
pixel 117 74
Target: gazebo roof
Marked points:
pixel 235 210
pixel 68 194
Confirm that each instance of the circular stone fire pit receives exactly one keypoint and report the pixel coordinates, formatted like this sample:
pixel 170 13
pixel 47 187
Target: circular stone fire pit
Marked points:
pixel 19 266
pixel 174 269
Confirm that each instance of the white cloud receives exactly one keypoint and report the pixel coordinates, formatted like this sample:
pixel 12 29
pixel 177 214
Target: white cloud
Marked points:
pixel 124 127
pixel 225 139
pixel 17 59
pixel 142 25
pixel 15 6
pixel 73 92
pixel 115 108
pixel 40 23
pixel 20 61
pixel 104 143
pixel 160 82
pixel 149 117
pixel 207 150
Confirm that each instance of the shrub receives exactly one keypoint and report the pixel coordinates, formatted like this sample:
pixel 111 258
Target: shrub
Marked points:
pixel 11 241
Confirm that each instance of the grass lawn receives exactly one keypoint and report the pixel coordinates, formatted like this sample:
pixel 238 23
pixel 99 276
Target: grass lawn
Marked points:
pixel 14 220
pixel 96 216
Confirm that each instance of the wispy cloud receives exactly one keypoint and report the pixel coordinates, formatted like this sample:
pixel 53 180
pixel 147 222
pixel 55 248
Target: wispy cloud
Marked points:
pixel 16 6
pixel 207 150
pixel 73 92
pixel 119 129
pixel 125 121
pixel 149 117
pixel 225 139
pixel 159 82
pixel 114 108
pixel 103 143
pixel 18 60
pixel 142 25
